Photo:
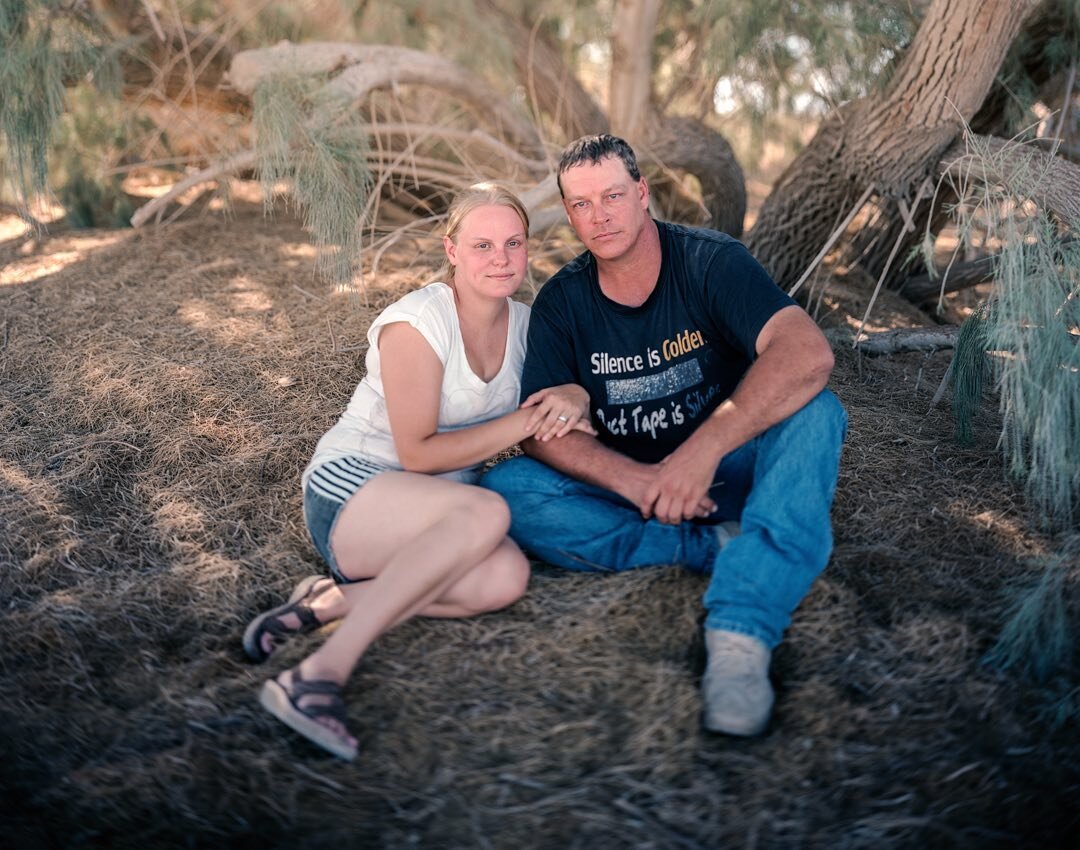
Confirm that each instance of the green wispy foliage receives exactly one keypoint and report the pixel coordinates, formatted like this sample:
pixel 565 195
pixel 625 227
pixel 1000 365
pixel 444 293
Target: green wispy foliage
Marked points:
pixel 317 144
pixel 44 44
pixel 1036 640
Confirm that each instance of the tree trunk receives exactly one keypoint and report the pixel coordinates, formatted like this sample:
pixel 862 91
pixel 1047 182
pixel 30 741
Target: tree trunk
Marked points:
pixel 870 246
pixel 689 145
pixel 680 144
pixel 632 34
pixel 893 141
pixel 921 288
pixel 549 81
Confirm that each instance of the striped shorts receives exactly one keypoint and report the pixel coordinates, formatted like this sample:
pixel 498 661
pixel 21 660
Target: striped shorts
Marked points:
pixel 329 487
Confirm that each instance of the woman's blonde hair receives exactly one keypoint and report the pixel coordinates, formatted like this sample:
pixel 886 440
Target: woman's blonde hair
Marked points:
pixel 476 196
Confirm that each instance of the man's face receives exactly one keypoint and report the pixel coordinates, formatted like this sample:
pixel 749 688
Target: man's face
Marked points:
pixel 607 208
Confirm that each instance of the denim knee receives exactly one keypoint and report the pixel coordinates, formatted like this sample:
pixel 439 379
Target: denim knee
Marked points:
pixel 517 475
pixel 823 414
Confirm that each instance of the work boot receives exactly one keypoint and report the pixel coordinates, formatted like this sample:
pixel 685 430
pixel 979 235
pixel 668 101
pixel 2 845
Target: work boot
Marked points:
pixel 736 690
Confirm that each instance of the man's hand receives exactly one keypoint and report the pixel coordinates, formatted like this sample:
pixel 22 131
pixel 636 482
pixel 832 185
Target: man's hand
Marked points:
pixel 679 490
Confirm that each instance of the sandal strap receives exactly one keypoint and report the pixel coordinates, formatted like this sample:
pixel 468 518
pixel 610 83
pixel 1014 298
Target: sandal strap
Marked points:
pixel 299 687
pixel 302 609
pixel 308 621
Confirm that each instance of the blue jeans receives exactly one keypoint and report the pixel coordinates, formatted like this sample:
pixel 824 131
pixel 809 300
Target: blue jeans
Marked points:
pixel 780 487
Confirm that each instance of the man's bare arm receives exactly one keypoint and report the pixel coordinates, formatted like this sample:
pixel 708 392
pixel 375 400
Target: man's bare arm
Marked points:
pixel 793 365
pixel 587 459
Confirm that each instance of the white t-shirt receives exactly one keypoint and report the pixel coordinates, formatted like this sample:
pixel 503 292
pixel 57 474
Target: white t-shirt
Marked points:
pixel 364 428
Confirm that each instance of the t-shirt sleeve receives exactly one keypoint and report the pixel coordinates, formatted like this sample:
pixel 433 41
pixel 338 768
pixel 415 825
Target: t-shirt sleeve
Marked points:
pixel 426 312
pixel 549 356
pixel 740 296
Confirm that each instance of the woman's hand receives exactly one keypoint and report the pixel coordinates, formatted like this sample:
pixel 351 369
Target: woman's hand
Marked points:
pixel 558 411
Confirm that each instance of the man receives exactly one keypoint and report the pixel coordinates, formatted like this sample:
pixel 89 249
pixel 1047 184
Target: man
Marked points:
pixel 706 386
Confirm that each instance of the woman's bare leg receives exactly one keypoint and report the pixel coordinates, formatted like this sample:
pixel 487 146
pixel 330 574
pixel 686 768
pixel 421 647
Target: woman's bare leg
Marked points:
pixel 429 546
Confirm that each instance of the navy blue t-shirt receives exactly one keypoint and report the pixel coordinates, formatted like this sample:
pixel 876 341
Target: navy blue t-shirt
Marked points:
pixel 656 371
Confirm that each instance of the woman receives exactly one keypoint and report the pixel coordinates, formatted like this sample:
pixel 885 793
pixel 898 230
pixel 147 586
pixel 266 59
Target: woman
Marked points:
pixel 387 495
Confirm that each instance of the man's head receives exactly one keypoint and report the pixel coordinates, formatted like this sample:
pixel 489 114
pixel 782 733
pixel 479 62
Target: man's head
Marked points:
pixel 589 150
pixel 605 197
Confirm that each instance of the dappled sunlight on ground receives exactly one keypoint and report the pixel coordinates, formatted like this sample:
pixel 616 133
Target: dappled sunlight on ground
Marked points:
pixel 248 297
pixel 304 250
pixel 59 253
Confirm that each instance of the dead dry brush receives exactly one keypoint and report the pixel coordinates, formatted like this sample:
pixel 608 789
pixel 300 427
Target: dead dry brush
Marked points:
pixel 159 397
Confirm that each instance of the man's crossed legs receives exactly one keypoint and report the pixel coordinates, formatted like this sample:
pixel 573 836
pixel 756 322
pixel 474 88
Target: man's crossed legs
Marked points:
pixel 779 487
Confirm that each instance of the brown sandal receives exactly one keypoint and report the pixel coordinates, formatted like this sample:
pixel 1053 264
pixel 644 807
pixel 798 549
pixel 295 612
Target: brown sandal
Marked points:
pixel 269 622
pixel 284 704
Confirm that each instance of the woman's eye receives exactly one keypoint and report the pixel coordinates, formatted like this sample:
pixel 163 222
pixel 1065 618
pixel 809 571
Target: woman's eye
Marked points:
pixel 514 243
pixel 482 246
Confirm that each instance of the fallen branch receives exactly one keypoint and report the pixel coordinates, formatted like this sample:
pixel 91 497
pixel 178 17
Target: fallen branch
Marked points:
pixel 357 70
pixel 485 140
pixel 901 340
pixel 923 287
pixel 237 162
pixel 362 69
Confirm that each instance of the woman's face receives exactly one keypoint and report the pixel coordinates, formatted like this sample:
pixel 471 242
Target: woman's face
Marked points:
pixel 490 255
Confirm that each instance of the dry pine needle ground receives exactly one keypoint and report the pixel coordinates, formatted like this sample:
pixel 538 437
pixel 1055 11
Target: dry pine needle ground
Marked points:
pixel 160 393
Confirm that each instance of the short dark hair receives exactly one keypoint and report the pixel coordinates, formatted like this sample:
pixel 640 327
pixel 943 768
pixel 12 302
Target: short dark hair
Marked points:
pixel 592 149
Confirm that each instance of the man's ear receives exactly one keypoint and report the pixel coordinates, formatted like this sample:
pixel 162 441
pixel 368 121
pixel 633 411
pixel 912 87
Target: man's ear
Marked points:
pixel 643 192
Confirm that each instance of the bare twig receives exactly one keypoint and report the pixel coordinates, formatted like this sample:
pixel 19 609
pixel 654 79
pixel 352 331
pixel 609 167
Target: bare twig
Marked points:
pixel 154 22
pixel 836 234
pixel 244 159
pixel 1066 104
pixel 901 237
pixel 308 294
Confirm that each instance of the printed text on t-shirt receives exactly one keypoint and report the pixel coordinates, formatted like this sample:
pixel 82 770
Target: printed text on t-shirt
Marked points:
pixel 629 391
pixel 676 346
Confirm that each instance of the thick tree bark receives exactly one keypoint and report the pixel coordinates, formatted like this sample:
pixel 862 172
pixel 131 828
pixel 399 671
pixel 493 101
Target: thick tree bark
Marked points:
pixel 1050 181
pixel 870 246
pixel 893 141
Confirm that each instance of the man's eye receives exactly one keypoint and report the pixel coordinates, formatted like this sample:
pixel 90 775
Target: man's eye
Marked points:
pixel 615 196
